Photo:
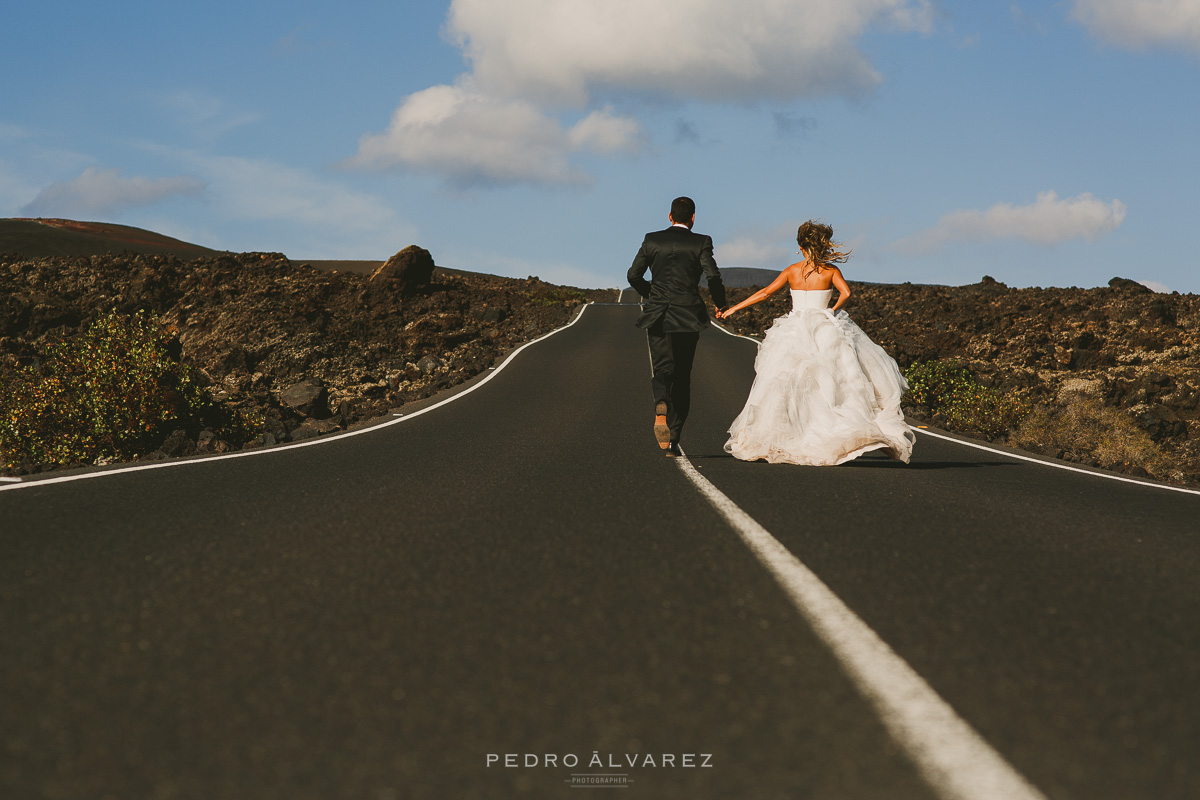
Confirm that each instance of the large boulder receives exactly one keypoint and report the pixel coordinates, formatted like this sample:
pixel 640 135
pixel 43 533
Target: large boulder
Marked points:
pixel 310 398
pixel 1128 285
pixel 406 272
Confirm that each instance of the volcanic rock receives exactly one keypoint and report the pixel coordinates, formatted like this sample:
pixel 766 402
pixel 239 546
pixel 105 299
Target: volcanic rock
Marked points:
pixel 1161 423
pixel 313 427
pixel 406 272
pixel 209 442
pixel 250 326
pixel 309 398
pixel 428 364
pixel 1134 286
pixel 177 444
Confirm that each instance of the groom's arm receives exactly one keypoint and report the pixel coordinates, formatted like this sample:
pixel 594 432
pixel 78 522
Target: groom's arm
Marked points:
pixel 716 287
pixel 637 272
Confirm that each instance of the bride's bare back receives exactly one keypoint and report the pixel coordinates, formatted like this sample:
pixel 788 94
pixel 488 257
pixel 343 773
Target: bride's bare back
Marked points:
pixel 817 280
pixel 816 273
pixel 793 277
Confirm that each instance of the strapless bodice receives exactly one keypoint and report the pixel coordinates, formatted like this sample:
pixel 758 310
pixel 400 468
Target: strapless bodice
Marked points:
pixel 811 298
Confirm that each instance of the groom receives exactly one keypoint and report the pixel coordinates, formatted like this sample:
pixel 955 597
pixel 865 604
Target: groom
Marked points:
pixel 673 313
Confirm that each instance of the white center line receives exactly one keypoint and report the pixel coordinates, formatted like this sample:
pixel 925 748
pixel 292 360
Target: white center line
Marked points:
pixel 952 758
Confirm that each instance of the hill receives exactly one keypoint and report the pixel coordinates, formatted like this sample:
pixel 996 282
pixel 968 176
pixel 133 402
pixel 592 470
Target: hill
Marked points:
pixel 39 238
pixel 744 276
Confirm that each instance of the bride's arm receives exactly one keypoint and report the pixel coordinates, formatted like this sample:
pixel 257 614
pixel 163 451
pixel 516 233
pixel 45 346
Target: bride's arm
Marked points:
pixel 843 290
pixel 759 296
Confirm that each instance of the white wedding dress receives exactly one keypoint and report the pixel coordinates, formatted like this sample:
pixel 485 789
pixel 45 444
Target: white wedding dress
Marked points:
pixel 823 392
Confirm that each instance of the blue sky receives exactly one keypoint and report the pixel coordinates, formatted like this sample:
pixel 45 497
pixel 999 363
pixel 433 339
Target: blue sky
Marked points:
pixel 1045 144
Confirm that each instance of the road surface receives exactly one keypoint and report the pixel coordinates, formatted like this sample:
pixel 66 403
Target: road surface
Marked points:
pixel 430 609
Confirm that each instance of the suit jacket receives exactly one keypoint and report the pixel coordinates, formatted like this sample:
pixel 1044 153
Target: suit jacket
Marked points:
pixel 676 259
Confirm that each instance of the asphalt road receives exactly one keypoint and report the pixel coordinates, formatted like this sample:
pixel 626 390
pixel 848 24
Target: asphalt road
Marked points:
pixel 521 572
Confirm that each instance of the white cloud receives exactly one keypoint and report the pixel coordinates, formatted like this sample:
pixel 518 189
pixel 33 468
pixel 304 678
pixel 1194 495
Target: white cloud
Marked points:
pixel 603 132
pixel 1144 23
pixel 1048 220
pixel 15 190
pixel 766 249
pixel 559 50
pixel 559 272
pixel 323 218
pixel 1156 286
pixel 252 189
pixel 531 59
pixel 104 191
pixel 474 138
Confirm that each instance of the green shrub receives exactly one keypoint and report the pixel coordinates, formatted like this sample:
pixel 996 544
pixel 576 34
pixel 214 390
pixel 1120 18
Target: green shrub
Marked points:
pixel 932 383
pixel 110 393
pixel 949 390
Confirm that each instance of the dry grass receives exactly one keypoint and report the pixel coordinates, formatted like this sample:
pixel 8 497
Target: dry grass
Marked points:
pixel 1082 429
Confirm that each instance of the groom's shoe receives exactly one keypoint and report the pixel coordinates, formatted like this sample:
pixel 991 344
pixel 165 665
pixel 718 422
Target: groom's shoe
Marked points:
pixel 661 432
pixel 673 450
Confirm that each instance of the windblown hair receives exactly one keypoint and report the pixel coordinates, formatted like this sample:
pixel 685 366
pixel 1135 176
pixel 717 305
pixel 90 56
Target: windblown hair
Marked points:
pixel 816 240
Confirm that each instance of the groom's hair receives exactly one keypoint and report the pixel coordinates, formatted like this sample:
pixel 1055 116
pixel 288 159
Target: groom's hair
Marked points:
pixel 682 210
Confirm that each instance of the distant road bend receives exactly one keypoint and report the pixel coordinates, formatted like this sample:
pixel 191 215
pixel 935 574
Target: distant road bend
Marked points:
pixel 518 571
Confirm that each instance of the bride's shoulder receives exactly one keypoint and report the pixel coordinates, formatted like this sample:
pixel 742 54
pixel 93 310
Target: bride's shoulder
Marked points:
pixel 792 274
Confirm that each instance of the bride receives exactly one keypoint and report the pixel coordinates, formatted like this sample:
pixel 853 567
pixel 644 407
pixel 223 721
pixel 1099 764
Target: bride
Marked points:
pixel 823 392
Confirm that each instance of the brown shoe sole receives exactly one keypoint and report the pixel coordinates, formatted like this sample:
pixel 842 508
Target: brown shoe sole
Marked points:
pixel 661 432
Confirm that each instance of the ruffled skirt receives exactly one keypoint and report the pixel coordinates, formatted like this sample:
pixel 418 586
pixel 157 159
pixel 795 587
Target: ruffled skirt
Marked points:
pixel 823 394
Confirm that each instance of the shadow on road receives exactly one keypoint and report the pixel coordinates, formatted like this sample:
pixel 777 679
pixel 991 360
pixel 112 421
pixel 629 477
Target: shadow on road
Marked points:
pixel 880 463
pixel 870 462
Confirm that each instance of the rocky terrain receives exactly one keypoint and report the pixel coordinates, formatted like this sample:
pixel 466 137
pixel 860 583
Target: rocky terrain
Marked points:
pixel 1122 346
pixel 309 351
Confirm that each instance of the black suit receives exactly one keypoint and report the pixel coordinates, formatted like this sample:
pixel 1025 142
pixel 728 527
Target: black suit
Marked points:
pixel 673 313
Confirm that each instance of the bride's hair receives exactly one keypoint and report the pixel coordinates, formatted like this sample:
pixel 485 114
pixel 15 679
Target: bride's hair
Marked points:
pixel 816 240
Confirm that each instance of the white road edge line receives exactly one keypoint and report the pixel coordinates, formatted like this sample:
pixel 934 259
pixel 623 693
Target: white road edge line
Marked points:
pixel 1053 464
pixel 25 484
pixel 952 758
pixel 725 330
pixel 1056 465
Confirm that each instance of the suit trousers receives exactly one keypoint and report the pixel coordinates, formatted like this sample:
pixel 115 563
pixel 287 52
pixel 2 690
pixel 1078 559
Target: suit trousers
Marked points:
pixel 671 357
